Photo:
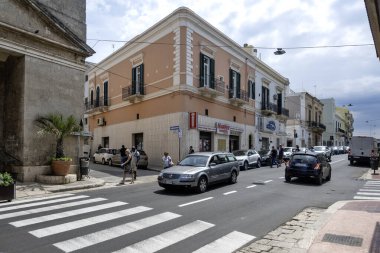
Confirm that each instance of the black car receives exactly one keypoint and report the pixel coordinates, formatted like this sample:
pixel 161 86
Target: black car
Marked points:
pixel 308 164
pixel 265 157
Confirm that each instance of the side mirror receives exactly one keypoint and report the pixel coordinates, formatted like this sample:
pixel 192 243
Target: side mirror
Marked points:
pixel 212 164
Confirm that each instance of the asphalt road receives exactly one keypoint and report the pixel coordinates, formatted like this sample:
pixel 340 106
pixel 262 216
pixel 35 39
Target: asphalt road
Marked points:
pixel 257 204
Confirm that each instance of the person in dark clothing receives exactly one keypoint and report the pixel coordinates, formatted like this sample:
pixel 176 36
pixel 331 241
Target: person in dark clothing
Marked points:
pixel 123 154
pixel 273 155
pixel 191 150
pixel 297 148
pixel 280 156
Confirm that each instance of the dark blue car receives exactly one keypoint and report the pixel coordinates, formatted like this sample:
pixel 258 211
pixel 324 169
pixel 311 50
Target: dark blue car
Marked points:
pixel 308 164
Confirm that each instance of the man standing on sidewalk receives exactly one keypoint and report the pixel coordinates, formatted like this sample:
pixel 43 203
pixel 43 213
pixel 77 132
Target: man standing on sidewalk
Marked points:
pixel 135 159
pixel 273 155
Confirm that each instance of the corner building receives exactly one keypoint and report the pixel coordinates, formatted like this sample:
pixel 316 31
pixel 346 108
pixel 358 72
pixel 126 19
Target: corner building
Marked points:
pixel 180 83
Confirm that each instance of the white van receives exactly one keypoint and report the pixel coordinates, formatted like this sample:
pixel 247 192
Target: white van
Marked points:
pixel 361 148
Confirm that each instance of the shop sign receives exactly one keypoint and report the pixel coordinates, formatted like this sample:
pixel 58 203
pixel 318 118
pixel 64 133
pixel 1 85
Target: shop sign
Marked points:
pixel 206 128
pixel 193 120
pixel 222 128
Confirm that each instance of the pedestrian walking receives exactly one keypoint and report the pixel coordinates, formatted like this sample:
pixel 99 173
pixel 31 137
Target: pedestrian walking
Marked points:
pixel 126 165
pixel 297 148
pixel 273 155
pixel 123 154
pixel 374 160
pixel 135 159
pixel 191 150
pixel 167 160
pixel 280 156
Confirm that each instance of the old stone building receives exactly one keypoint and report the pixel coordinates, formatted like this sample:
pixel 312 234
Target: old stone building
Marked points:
pixel 42 56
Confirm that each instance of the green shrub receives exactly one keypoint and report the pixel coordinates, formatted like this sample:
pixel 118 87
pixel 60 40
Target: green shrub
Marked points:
pixel 6 179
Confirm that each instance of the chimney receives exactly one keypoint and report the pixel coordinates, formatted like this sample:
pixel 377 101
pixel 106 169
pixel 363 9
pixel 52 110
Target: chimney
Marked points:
pixel 250 49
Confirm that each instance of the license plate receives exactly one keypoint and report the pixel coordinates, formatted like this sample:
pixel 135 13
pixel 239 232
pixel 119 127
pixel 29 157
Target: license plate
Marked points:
pixel 300 165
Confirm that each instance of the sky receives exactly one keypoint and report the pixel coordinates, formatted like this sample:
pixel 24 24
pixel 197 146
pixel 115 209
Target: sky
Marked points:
pixel 315 35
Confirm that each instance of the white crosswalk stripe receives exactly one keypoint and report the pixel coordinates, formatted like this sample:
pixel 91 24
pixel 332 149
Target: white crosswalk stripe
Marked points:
pixel 114 232
pixel 166 239
pixel 228 243
pixel 370 191
pixel 365 197
pixel 62 215
pixel 87 222
pixel 42 203
pixel 34 199
pixel 49 208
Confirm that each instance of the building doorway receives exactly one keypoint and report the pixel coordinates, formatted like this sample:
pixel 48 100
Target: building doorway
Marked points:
pixel 234 143
pixel 106 142
pixel 204 141
pixel 265 143
pixel 138 141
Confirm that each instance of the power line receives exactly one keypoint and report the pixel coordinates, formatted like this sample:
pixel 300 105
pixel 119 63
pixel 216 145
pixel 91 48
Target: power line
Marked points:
pixel 231 46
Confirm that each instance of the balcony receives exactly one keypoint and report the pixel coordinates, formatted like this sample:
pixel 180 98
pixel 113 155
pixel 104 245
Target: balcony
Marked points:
pixel 133 93
pixel 283 113
pixel 268 108
pixel 211 87
pixel 97 105
pixel 316 127
pixel 238 97
pixel 340 132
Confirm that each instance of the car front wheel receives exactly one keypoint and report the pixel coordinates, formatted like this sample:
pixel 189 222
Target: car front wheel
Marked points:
pixel 103 161
pixel 233 178
pixel 328 178
pixel 202 185
pixel 245 166
pixel 258 165
pixel 320 179
pixel 110 163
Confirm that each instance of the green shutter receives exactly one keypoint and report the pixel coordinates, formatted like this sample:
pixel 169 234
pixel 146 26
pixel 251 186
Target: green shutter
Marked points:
pixel 231 88
pixel 201 73
pixel 141 79
pixel 238 85
pixel 212 73
pixel 133 81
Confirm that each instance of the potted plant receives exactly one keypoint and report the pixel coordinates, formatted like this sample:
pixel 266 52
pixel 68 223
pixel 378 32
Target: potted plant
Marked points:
pixel 7 187
pixel 60 127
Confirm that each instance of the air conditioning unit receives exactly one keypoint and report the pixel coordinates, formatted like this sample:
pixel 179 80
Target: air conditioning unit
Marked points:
pixel 101 122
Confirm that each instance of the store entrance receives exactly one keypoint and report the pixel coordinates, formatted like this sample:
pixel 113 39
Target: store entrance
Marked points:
pixel 204 141
pixel 234 143
pixel 138 141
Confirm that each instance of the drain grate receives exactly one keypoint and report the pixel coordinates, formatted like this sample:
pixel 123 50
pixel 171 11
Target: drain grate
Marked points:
pixel 343 239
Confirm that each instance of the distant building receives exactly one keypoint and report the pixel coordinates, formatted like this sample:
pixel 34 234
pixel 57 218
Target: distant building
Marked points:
pixel 304 126
pixel 42 56
pixel 188 84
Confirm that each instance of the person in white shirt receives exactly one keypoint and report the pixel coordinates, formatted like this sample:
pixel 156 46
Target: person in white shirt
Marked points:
pixel 167 160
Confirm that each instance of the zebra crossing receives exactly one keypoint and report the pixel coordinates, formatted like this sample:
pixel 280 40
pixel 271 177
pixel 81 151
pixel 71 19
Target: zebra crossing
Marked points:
pixel 370 191
pixel 50 215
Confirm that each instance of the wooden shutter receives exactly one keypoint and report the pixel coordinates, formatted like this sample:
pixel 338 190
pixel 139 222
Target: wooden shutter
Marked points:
pixel 212 73
pixel 141 79
pixel 133 81
pixel 201 73
pixel 249 88
pixel 231 88
pixel 238 85
pixel 253 90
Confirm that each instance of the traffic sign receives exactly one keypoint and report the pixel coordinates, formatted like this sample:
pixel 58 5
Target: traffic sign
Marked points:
pixel 174 128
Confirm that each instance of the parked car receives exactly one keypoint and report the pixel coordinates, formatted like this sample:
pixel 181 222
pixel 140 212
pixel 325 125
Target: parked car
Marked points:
pixel 323 150
pixel 199 170
pixel 309 164
pixel 103 155
pixel 288 151
pixel 247 158
pixel 265 157
pixel 142 163
pixel 334 150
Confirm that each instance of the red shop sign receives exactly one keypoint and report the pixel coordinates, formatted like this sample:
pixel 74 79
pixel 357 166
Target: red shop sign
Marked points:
pixel 193 120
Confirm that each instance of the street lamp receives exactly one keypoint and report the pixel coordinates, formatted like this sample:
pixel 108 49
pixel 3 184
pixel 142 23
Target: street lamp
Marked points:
pixel 279 51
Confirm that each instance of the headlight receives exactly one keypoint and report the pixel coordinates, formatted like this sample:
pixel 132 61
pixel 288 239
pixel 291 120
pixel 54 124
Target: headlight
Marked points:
pixel 161 174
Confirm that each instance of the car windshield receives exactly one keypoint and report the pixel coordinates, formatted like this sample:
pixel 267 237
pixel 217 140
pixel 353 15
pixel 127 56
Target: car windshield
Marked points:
pixel 287 149
pixel 305 159
pixel 264 152
pixel 194 160
pixel 318 148
pixel 239 152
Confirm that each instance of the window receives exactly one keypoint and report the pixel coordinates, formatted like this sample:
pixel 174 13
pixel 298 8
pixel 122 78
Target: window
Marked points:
pixel 207 70
pixel 279 103
pixel 92 97
pixel 251 89
pixel 265 97
pixel 234 90
pixel 206 112
pixel 97 96
pixel 105 92
pixel 138 80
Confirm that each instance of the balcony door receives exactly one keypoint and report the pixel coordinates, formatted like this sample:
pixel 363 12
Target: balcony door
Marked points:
pixel 138 80
pixel 207 72
pixel 105 92
pixel 234 84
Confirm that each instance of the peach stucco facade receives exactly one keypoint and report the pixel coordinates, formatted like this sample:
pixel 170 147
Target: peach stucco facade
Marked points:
pixel 176 76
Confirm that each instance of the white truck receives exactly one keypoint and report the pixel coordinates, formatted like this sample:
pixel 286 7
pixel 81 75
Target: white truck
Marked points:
pixel 361 148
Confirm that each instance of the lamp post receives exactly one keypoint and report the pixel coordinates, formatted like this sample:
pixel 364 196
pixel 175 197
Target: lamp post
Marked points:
pixel 279 51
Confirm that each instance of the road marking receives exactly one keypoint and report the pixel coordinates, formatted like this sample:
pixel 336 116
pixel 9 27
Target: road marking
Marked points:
pixel 42 203
pixel 49 208
pixel 166 239
pixel 251 186
pixel 34 199
pixel 87 222
pixel 364 197
pixel 114 232
pixel 226 244
pixel 268 181
pixel 369 190
pixel 194 202
pixel 281 177
pixel 228 193
pixel 369 193
pixel 372 184
pixel 62 215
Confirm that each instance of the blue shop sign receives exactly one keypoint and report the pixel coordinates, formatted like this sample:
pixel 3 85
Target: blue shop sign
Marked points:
pixel 271 125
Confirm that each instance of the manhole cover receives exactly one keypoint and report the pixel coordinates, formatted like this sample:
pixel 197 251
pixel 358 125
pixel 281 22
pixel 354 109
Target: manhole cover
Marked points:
pixel 343 239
